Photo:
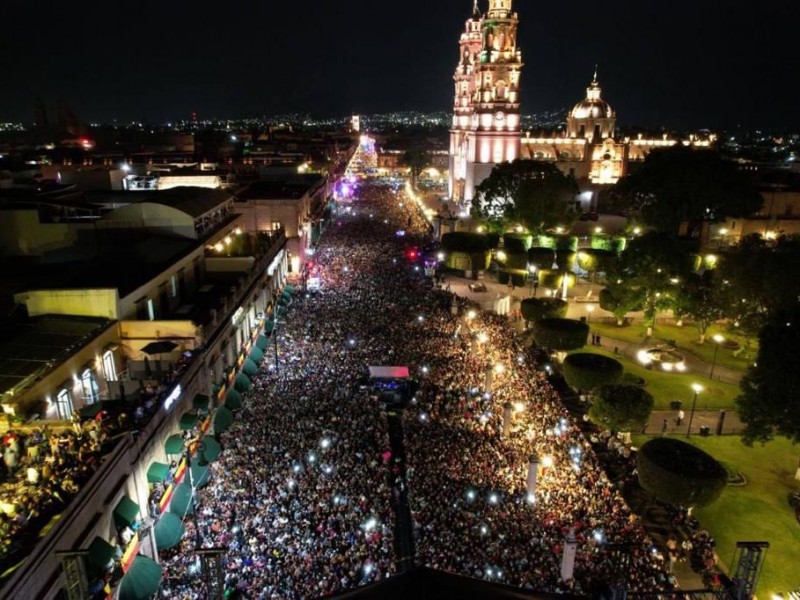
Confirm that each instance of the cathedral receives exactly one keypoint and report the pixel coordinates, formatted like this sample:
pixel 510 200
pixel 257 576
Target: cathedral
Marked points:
pixel 486 118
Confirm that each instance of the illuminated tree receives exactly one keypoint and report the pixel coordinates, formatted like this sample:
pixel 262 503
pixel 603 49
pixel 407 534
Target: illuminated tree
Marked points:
pixel 683 185
pixel 679 473
pixel 621 407
pixel 596 261
pixel 698 300
pixel 532 193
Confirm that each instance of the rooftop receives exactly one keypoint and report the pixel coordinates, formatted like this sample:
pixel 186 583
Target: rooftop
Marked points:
pixel 288 189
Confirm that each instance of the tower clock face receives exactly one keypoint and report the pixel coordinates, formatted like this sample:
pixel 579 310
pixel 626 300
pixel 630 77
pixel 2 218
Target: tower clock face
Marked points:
pixel 499 116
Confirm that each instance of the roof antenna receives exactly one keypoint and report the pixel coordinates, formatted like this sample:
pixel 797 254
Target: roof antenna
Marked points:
pixel 594 80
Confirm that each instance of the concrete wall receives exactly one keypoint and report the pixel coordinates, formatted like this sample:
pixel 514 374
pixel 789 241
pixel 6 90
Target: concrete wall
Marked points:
pixel 21 234
pixel 83 303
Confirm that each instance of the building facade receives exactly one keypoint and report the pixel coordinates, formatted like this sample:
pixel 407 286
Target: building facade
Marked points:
pixel 486 111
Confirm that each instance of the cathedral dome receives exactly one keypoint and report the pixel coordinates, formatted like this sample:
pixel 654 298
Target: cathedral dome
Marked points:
pixel 593 106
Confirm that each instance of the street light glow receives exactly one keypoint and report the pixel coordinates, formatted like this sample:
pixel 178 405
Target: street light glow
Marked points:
pixel 697 388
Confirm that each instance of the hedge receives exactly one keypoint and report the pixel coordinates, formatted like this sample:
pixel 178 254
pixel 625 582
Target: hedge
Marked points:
pixel 543 258
pixel 534 309
pixel 465 241
pixel 621 407
pixel 679 473
pixel 587 371
pixel 610 243
pixel 560 335
pixel 552 279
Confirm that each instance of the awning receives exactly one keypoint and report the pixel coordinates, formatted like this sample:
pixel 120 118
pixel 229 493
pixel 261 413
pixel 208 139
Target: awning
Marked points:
pixel 212 448
pixel 242 382
pixel 157 472
pixel 284 300
pixel 141 581
pixel 223 419
pixel 249 368
pixel 262 341
pixel 181 503
pixel 233 400
pixel 188 420
pixel 256 354
pixel 288 288
pixel 200 473
pixel 281 311
pixel 168 530
pixel 174 444
pixel 125 512
pixel 100 552
pixel 200 402
pixel 269 326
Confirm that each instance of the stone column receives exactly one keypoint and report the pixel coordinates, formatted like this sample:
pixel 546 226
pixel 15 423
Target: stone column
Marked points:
pixel 533 475
pixel 506 419
pixel 568 557
pixel 489 379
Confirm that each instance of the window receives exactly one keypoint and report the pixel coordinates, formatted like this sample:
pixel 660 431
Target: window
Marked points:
pixel 173 286
pixel 64 404
pixel 276 225
pixel 151 310
pixel 109 366
pixel 89 388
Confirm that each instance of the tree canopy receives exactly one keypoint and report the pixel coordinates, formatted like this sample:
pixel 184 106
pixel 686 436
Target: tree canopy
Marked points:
pixel 769 403
pixel 589 371
pixel 679 473
pixel 621 407
pixel 684 185
pixel 533 309
pixel 561 335
pixel 529 192
pixel 416 160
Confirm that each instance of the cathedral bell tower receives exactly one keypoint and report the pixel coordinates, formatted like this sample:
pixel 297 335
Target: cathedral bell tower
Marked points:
pixel 486 118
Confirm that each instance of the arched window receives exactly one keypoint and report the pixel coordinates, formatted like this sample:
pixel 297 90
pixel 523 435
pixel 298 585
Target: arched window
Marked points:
pixel 64 404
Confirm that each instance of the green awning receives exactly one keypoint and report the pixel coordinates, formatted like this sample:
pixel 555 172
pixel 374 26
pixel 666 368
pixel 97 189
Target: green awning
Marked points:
pixel 157 472
pixel 125 512
pixel 281 311
pixel 200 402
pixel 168 530
pixel 262 342
pixel 100 552
pixel 269 326
pixel 174 444
pixel 256 354
pixel 188 420
pixel 142 579
pixel 284 300
pixel 212 448
pixel 242 382
pixel 249 368
pixel 223 419
pixel 200 473
pixel 181 503
pixel 233 400
pixel 289 288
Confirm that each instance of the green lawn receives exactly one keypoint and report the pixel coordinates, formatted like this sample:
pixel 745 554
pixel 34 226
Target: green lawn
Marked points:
pixel 666 387
pixel 757 511
pixel 686 338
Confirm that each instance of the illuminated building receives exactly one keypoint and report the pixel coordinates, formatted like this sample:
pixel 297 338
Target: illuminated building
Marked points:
pixel 486 117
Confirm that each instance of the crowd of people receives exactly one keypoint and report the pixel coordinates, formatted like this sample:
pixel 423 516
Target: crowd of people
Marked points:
pixel 301 499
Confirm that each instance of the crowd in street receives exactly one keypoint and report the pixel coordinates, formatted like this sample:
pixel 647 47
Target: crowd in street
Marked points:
pixel 300 499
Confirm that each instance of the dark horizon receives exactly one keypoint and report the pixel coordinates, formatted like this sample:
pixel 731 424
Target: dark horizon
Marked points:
pixel 687 66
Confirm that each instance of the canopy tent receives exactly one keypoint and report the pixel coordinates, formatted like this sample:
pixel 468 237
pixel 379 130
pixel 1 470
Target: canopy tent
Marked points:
pixel 142 579
pixel 168 530
pixel 388 373
pixel 269 326
pixel 157 472
pixel 125 512
pixel 188 420
pixel 256 354
pixel 262 341
pixel 288 288
pixel 284 301
pixel 174 444
pixel 200 402
pixel 242 383
pixel 281 311
pixel 249 368
pixel 212 448
pixel 233 400
pixel 200 474
pixel 181 503
pixel 223 419
pixel 100 553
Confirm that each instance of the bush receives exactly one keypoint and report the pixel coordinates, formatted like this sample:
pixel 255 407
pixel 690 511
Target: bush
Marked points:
pixel 465 241
pixel 565 260
pixel 596 261
pixel 560 335
pixel 621 407
pixel 679 473
pixel 610 243
pixel 517 242
pixel 587 371
pixel 534 309
pixel 552 280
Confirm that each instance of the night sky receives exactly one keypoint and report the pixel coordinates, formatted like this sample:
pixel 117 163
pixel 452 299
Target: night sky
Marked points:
pixel 678 63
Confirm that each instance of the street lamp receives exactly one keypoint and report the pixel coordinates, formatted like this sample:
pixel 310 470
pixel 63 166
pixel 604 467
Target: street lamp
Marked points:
pixel 532 271
pixel 589 311
pixel 697 389
pixel 718 339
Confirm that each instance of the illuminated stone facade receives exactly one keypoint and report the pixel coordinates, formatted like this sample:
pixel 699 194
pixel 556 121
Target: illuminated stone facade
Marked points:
pixel 486 113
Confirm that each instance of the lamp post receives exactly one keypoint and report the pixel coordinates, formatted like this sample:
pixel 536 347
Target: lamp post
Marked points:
pixel 718 339
pixel 532 271
pixel 589 311
pixel 697 389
